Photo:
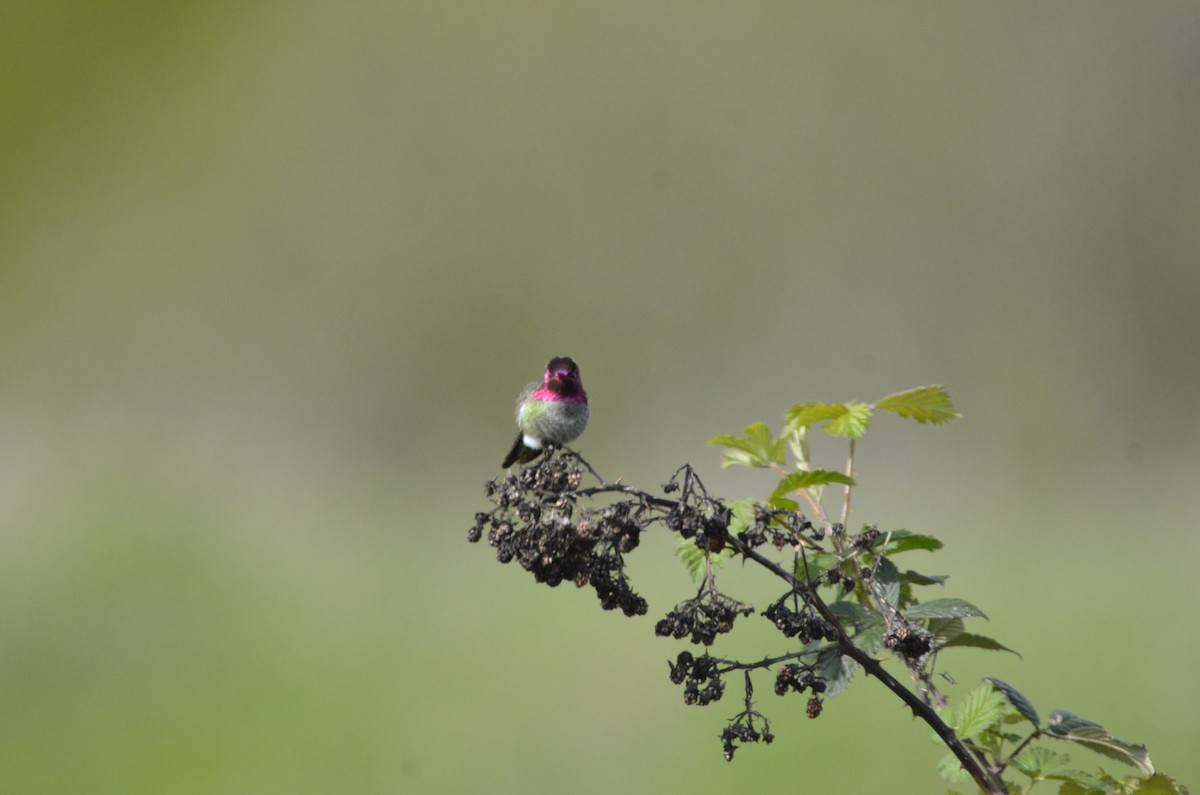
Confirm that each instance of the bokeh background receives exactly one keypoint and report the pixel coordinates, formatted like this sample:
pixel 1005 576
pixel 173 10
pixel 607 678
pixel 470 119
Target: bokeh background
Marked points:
pixel 272 274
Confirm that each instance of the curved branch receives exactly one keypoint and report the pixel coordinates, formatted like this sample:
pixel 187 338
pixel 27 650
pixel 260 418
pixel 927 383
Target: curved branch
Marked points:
pixel 871 666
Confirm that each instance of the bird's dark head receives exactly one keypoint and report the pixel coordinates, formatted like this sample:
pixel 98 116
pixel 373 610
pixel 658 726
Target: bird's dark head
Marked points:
pixel 562 378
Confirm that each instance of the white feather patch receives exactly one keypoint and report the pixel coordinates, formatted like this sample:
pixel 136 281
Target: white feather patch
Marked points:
pixel 532 442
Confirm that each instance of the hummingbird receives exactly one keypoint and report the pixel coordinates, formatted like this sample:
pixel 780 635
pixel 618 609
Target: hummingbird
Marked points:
pixel 553 412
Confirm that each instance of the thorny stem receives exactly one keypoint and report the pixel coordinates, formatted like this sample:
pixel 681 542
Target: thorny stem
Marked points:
pixel 872 667
pixel 767 662
pixel 987 782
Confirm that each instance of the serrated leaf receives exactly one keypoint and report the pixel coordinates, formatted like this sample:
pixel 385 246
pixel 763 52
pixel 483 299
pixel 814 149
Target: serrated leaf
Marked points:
pixel 870 637
pixel 973 641
pixel 693 557
pixel 944 608
pixel 1063 721
pixel 945 630
pixel 1160 784
pixel 981 708
pixel 852 423
pixel 1037 762
pixel 923 404
pixel 1067 725
pixel 818 561
pixel 784 504
pixel 798 443
pixel 805 414
pixel 850 613
pixel 738 458
pixel 903 541
pixel 1016 698
pixel 888 578
pixel 916 578
pixel 952 770
pixel 1077 782
pixel 758 448
pixel 729 440
pixel 836 671
pixel 763 444
pixel 805 479
pixel 742 515
pixel 912 578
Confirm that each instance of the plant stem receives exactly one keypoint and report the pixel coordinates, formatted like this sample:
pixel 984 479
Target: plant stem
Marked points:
pixel 987 783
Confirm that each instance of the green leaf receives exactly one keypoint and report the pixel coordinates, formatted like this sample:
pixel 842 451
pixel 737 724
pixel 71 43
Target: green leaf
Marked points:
pixel 888 577
pixel 798 443
pixel 945 630
pixel 693 557
pixel 1077 782
pixel 850 613
pixel 758 448
pixel 818 562
pixel 837 671
pixel 870 637
pixel 815 477
pixel 784 504
pixel 1037 762
pixel 911 578
pixel 763 444
pixel 916 578
pixel 1069 726
pixel 923 404
pixel 852 423
pixel 944 608
pixel 1160 784
pixel 903 541
pixel 1062 722
pixel 971 640
pixel 728 440
pixel 1017 699
pixel 738 458
pixel 742 515
pixel 805 414
pixel 952 770
pixel 980 709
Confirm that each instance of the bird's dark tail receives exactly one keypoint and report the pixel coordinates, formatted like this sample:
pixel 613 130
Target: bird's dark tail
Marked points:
pixel 520 453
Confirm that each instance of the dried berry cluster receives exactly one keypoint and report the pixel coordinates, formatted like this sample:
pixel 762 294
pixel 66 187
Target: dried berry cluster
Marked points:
pixel 803 624
pixel 537 523
pixel 779 528
pixel 545 521
pixel 909 640
pixel 711 613
pixel 700 677
pixel 707 523
pixel 741 729
pixel 798 678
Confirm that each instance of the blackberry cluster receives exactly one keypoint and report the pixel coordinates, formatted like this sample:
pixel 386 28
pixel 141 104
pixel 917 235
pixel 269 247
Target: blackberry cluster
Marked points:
pixel 741 729
pixel 710 528
pixel 833 577
pixel 867 538
pixel 798 678
pixel 701 680
pixel 779 528
pixel 909 640
pixel 535 523
pixel 704 617
pixel 804 624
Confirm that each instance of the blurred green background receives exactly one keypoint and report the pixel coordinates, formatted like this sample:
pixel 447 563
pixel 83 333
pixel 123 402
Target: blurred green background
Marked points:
pixel 272 274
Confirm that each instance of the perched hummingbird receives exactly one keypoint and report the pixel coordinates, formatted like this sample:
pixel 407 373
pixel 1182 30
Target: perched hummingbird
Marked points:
pixel 552 412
